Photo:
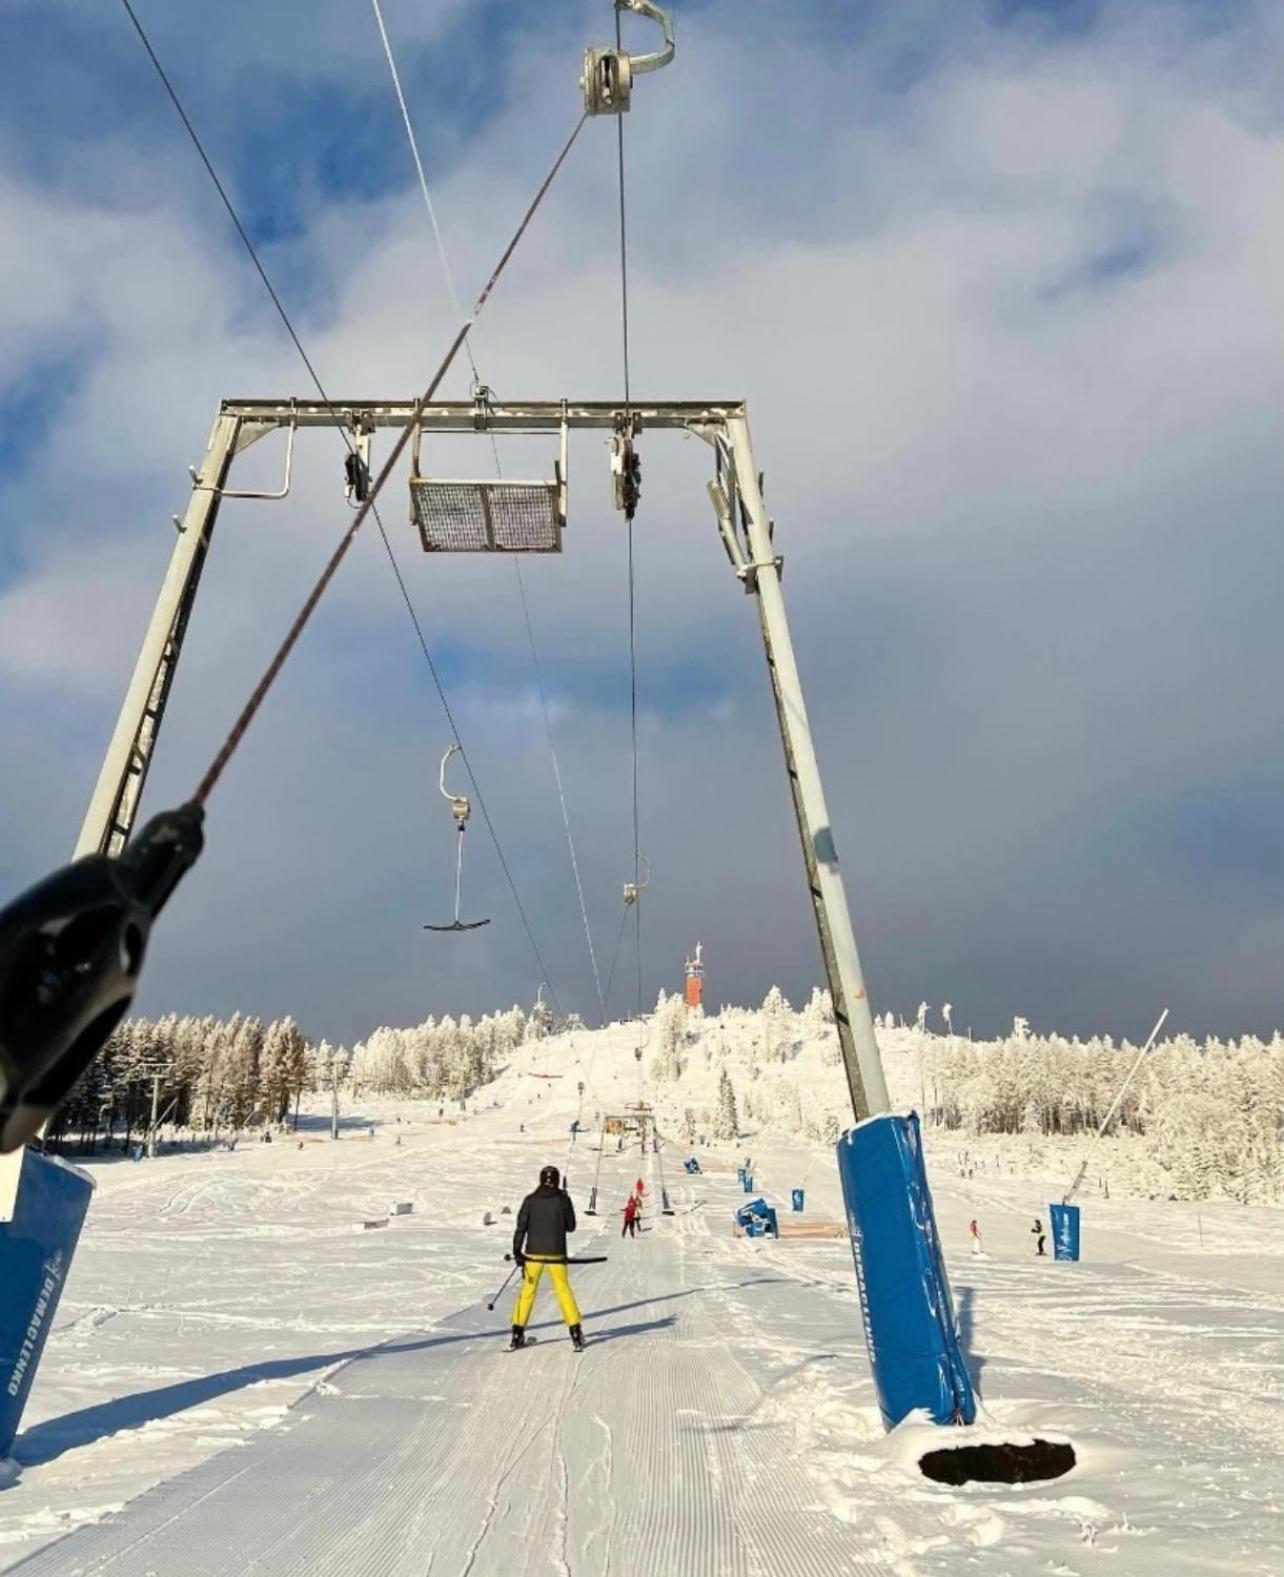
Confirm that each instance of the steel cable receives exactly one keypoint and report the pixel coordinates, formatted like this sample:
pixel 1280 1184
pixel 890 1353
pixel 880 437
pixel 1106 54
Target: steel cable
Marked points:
pixel 255 701
pixel 448 274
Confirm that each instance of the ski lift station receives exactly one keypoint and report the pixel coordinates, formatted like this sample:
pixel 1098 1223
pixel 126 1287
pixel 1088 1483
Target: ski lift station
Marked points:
pixel 72 949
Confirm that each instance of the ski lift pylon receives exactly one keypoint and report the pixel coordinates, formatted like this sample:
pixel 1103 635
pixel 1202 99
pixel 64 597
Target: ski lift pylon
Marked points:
pixel 460 809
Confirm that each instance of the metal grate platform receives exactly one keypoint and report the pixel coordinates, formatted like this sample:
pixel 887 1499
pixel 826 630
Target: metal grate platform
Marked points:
pixel 487 517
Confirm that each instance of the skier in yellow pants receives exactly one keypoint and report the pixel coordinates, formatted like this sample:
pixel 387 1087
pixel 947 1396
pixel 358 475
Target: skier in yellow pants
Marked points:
pixel 539 1245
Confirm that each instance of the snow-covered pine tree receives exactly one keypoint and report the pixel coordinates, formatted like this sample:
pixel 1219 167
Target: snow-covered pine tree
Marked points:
pixel 244 1062
pixel 818 1015
pixel 726 1118
pixel 669 1027
pixel 777 1026
pixel 282 1068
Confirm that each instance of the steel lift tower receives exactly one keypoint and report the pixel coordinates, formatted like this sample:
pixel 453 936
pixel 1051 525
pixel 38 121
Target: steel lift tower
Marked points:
pixel 504 516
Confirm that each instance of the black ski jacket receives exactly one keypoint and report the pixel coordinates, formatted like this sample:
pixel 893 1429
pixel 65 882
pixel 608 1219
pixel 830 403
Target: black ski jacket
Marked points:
pixel 545 1218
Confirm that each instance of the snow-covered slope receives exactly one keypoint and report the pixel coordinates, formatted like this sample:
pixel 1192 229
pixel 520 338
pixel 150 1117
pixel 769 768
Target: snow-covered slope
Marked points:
pixel 311 1396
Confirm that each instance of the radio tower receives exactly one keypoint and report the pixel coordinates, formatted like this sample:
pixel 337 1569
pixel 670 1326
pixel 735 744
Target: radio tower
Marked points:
pixel 695 978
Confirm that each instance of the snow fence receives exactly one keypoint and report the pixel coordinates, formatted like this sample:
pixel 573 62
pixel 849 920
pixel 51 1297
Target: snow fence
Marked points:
pixel 900 1275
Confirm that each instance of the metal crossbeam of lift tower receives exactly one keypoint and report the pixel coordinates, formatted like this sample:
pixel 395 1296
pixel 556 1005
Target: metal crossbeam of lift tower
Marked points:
pixel 466 416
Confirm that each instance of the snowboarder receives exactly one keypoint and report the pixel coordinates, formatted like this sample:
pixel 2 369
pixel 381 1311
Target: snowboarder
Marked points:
pixel 630 1227
pixel 1037 1231
pixel 539 1244
pixel 974 1232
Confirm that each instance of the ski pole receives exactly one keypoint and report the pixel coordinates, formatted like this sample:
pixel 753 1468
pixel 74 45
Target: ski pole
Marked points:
pixel 507 1279
pixel 582 1259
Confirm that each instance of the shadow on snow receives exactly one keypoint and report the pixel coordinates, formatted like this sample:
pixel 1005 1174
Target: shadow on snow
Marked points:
pixel 56 1436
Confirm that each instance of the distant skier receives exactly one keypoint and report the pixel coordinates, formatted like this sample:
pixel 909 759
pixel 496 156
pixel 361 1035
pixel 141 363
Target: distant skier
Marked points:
pixel 630 1228
pixel 639 1188
pixel 539 1244
pixel 1036 1231
pixel 974 1232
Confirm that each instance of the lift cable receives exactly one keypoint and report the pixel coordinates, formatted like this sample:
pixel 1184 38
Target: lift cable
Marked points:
pixel 251 708
pixel 448 274
pixel 561 794
pixel 615 956
pixel 633 650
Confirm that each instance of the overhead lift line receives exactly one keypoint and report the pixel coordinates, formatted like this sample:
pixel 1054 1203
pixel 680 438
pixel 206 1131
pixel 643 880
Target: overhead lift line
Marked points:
pixel 255 701
pixel 633 650
pixel 448 274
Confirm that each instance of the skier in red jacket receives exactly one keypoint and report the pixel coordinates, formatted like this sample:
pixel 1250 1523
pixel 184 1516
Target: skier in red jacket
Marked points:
pixel 630 1217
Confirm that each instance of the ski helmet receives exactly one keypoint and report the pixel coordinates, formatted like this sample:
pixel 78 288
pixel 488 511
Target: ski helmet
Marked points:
pixel 549 1177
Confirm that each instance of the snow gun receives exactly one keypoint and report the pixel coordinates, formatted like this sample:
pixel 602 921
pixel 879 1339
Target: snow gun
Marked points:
pixel 71 952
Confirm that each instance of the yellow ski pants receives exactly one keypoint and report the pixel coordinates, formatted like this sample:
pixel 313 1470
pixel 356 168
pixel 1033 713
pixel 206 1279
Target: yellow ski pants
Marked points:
pixel 531 1273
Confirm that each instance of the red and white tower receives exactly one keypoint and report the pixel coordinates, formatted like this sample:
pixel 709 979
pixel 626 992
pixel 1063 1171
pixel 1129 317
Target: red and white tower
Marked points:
pixel 695 978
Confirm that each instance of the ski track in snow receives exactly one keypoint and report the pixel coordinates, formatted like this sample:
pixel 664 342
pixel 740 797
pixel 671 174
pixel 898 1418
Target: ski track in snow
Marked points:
pixel 242 1381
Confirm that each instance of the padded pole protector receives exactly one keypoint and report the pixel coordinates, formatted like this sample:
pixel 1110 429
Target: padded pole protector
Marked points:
pixel 905 1300
pixel 36 1249
pixel 1065 1231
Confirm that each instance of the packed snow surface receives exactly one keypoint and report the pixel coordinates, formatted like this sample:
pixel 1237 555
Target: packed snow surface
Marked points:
pixel 244 1377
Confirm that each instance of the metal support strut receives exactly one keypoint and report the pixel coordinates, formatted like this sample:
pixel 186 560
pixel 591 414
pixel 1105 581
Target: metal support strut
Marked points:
pixel 740 485
pixel 114 805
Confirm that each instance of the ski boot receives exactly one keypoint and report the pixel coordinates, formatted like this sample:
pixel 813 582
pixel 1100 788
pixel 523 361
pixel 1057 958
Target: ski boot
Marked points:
pixel 577 1338
pixel 518 1338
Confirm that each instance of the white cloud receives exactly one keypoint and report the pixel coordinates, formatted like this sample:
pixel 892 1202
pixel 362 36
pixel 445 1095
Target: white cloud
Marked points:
pixel 1028 527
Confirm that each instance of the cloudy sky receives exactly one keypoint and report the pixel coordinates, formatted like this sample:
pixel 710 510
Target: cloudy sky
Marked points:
pixel 1002 284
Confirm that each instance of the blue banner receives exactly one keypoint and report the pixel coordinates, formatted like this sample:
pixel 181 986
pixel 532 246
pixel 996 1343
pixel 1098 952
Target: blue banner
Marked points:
pixel 1065 1231
pixel 900 1275
pixel 36 1249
